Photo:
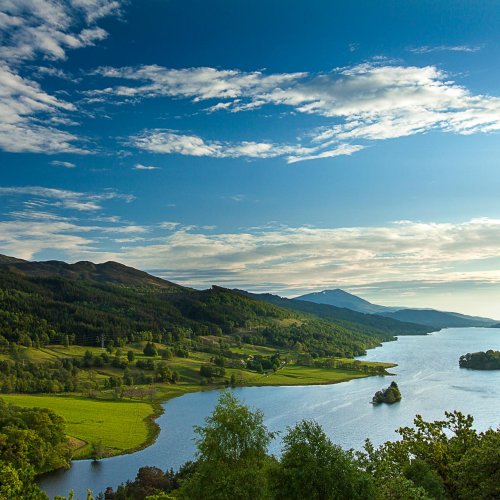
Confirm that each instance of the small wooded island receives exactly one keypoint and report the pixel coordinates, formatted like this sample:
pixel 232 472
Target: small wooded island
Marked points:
pixel 390 395
pixel 489 360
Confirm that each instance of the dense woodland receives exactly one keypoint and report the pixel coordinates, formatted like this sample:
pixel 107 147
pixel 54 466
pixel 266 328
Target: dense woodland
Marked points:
pixel 489 360
pixel 445 459
pixel 32 441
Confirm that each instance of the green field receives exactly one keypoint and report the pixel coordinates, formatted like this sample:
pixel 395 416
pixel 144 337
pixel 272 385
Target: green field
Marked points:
pixel 127 424
pixel 121 425
pixel 301 375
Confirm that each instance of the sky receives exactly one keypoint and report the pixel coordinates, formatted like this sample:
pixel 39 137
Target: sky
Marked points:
pixel 278 146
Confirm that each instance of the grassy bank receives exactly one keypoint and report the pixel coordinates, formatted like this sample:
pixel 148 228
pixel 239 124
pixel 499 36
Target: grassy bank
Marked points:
pixel 122 426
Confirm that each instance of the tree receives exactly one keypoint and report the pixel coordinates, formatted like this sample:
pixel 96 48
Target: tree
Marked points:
pixel 477 474
pixel 150 350
pixel 19 483
pixel 96 450
pixel 430 455
pixel 131 356
pixel 232 454
pixel 313 467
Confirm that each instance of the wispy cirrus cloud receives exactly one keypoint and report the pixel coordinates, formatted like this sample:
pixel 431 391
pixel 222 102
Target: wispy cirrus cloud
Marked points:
pixel 36 196
pixel 65 164
pixel 30 29
pixel 427 49
pixel 194 83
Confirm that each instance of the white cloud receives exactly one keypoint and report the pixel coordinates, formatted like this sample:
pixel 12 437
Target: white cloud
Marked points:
pixel 139 166
pixel 25 238
pixel 172 142
pixel 306 257
pixel 368 102
pixel 65 164
pixel 195 83
pixel 404 255
pixel 380 102
pixel 41 28
pixel 49 27
pixel 343 149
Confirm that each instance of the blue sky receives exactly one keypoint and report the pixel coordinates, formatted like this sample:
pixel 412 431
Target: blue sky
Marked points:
pixel 282 146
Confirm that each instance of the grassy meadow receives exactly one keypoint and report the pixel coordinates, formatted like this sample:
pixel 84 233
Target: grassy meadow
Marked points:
pixel 121 425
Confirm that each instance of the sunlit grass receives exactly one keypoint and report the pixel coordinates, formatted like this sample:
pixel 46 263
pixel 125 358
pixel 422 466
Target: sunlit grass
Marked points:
pixel 121 425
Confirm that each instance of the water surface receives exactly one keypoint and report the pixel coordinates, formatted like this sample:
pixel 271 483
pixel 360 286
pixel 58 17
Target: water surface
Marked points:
pixel 427 374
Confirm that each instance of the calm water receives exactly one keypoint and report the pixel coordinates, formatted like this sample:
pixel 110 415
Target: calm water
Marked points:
pixel 427 374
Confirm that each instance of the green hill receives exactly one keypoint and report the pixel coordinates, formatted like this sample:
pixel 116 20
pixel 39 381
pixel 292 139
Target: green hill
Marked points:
pixel 43 302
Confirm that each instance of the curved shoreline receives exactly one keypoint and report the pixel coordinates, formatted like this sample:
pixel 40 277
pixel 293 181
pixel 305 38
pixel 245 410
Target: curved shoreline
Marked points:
pixel 158 410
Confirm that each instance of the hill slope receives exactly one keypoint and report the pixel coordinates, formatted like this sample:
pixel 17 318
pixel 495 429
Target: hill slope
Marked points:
pixel 109 272
pixel 42 302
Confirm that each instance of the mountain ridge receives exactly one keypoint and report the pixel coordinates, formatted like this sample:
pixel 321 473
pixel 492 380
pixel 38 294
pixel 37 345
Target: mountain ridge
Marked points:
pixel 422 316
pixel 110 272
pixel 327 311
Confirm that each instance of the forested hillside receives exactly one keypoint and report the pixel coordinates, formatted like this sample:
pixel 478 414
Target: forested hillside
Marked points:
pixel 47 302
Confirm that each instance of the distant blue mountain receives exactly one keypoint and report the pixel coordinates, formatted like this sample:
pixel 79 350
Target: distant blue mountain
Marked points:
pixel 341 298
pixel 428 317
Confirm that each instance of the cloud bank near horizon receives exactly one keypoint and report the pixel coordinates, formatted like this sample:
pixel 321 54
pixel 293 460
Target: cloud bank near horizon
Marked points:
pixel 279 258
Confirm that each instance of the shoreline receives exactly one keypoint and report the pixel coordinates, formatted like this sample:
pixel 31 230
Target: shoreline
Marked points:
pixel 158 410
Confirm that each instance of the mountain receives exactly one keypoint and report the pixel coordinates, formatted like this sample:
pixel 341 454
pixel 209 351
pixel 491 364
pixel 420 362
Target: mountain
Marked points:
pixel 341 298
pixel 427 317
pixel 43 302
pixel 345 316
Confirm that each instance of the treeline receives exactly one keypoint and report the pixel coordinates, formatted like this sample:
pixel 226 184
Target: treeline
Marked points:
pixel 32 441
pixel 445 459
pixel 65 375
pixel 489 360
pixel 31 378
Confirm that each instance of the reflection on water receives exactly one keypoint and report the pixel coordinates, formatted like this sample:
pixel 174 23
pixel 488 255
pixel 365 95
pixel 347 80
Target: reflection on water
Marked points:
pixel 427 374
